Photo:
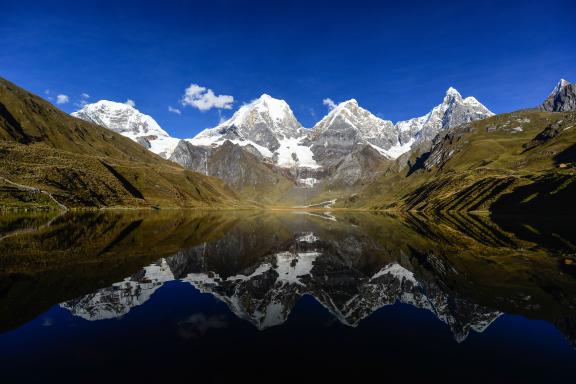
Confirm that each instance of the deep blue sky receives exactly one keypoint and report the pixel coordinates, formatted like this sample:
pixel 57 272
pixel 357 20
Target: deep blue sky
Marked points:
pixel 397 59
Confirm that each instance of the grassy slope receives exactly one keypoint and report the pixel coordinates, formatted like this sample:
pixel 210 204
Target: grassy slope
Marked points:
pixel 487 165
pixel 85 165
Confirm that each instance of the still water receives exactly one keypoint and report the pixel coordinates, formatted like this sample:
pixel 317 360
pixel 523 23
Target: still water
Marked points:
pixel 286 297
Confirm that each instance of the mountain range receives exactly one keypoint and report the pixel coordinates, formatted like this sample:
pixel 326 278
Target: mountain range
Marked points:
pixel 264 157
pixel 271 150
pixel 269 128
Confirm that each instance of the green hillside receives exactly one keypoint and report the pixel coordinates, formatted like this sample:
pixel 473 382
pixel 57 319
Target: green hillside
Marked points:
pixel 517 162
pixel 49 159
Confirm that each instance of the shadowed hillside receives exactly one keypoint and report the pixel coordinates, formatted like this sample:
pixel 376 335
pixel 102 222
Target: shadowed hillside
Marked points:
pixel 49 159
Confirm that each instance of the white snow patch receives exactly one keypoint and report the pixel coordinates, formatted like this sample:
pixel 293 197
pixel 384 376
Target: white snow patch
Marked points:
pixel 291 266
pixel 259 271
pixel 309 181
pixel 397 271
pixel 304 155
pixel 308 238
pixel 395 151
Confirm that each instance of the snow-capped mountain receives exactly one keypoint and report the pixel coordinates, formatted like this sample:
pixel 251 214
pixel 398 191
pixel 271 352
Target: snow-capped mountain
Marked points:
pixel 128 121
pixel 267 125
pixel 453 111
pixel 561 84
pixel 347 126
pixel 561 99
pixel 271 150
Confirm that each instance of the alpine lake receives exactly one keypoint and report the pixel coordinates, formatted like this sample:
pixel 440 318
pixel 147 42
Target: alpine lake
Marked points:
pixel 286 296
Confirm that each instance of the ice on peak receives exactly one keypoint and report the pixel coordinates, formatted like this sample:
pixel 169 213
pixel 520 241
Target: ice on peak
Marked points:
pixel 108 104
pixel 266 123
pixel 277 109
pixel 130 122
pixel 266 97
pixel 470 100
pixel 452 93
pixel 350 101
pixel 344 105
pixel 120 117
pixel 451 112
pixel 561 84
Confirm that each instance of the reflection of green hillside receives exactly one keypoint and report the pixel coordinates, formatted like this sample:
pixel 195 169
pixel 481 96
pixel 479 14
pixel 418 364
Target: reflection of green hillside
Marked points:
pixel 78 253
pixel 467 255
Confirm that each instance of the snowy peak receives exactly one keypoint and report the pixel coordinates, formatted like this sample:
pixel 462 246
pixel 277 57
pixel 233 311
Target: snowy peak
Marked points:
pixel 454 97
pixel 130 122
pixel 453 111
pixel 348 104
pixel 277 110
pixel 561 99
pixel 264 113
pixel 561 84
pixel 349 115
pixel 349 125
pixel 452 94
pixel 264 122
pixel 268 125
pixel 120 117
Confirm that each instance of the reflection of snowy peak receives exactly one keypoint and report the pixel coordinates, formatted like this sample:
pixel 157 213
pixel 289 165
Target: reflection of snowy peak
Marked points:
pixel 128 121
pixel 262 296
pixel 267 292
pixel 120 298
pixel 265 301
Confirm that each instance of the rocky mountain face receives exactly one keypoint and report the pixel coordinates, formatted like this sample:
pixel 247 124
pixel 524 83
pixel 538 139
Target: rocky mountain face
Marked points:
pixel 269 149
pixel 561 99
pixel 128 121
pixel 347 127
pixel 452 112
pixel 265 122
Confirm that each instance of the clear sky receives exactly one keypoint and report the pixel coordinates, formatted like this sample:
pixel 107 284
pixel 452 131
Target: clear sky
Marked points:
pixel 396 58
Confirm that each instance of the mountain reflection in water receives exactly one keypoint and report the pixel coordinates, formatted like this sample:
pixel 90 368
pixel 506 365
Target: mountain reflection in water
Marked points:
pixel 465 270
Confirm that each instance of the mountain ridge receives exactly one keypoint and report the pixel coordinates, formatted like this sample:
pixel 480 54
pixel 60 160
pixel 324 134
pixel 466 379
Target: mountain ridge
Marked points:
pixel 265 156
pixel 330 156
pixel 81 164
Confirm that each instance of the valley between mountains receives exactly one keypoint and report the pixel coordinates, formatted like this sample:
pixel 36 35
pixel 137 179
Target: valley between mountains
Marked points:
pixel 457 157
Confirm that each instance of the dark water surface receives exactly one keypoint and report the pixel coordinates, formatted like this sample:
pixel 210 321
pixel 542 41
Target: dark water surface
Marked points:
pixel 286 297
